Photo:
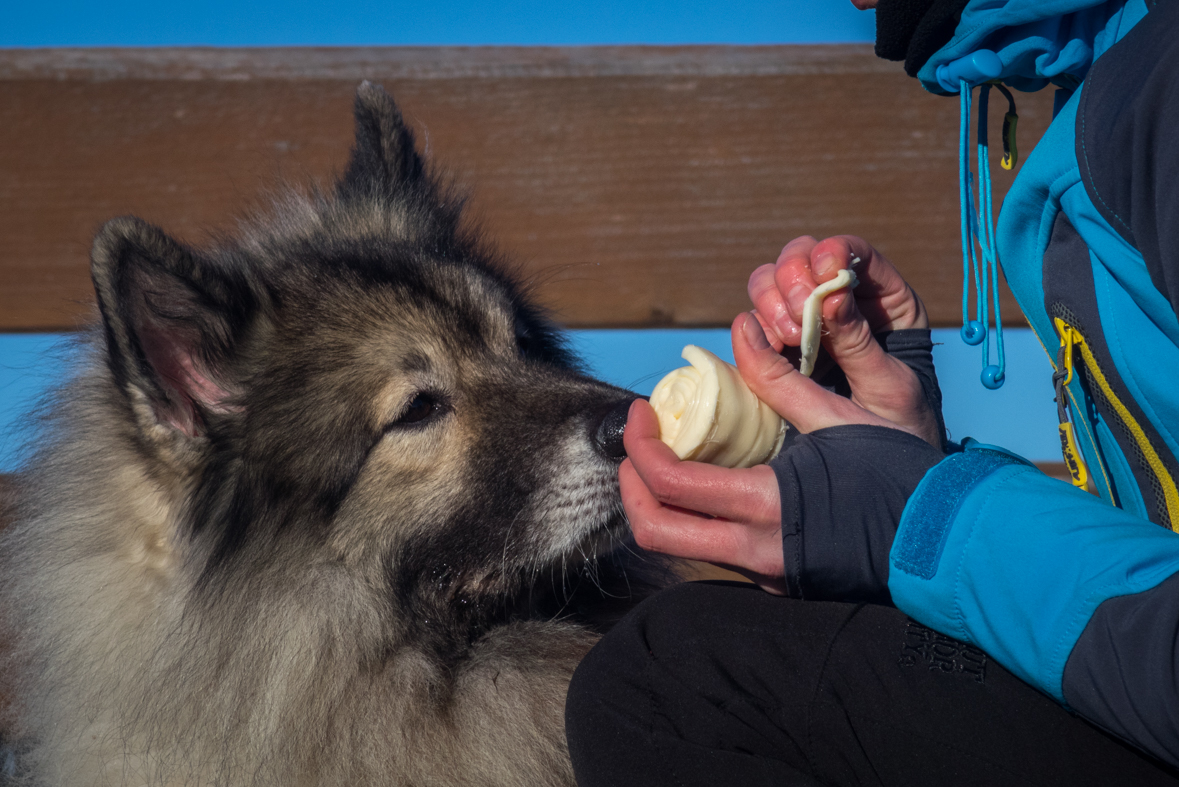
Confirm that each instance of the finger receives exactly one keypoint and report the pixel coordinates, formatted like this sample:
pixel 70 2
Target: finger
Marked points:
pixel 794 280
pixel 746 495
pixel 755 552
pixel 768 305
pixel 775 381
pixel 885 298
pixel 770 302
pixel 670 530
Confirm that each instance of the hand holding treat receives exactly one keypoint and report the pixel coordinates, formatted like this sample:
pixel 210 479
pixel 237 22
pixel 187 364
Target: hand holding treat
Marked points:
pixel 850 328
pixel 708 414
pixel 733 517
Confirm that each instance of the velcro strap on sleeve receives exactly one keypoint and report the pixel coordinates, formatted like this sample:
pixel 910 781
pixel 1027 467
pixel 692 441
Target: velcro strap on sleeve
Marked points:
pixel 933 505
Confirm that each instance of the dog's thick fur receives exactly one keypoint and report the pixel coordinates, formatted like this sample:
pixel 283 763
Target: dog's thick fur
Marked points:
pixel 329 503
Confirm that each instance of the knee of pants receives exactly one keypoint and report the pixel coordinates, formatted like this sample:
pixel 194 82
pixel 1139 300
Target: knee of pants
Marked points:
pixel 661 621
pixel 617 664
pixel 610 688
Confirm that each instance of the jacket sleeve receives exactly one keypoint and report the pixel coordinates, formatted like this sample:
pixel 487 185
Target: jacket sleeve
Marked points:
pixel 1131 105
pixel 1039 574
pixel 1123 673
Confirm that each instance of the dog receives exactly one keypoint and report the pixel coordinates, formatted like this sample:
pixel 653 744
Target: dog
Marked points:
pixel 328 502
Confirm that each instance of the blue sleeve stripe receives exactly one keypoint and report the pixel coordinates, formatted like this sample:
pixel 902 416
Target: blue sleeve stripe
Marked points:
pixel 933 506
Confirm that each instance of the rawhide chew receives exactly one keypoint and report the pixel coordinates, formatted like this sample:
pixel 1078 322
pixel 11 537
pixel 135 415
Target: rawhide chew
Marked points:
pixel 812 317
pixel 708 414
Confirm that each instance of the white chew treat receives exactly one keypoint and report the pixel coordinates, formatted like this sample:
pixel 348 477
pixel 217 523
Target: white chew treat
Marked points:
pixel 812 317
pixel 708 414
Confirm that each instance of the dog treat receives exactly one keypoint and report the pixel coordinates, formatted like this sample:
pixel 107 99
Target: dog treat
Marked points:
pixel 812 317
pixel 708 414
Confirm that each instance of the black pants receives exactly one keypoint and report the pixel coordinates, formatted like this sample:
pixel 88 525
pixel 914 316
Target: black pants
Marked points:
pixel 717 684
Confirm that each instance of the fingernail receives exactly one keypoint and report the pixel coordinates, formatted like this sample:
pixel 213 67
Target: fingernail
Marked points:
pixel 797 298
pixel 754 334
pixel 824 265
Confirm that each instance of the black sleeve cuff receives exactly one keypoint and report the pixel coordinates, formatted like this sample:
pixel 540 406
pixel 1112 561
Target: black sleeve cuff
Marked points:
pixel 843 490
pixel 914 348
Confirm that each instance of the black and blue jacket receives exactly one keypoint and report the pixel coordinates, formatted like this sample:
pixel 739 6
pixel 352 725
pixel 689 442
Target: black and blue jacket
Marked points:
pixel 1075 593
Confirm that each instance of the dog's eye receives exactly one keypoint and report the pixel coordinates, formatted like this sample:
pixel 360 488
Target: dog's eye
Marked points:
pixel 423 407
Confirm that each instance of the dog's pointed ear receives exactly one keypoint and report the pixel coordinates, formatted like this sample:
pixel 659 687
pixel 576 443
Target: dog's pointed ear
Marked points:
pixel 170 320
pixel 383 156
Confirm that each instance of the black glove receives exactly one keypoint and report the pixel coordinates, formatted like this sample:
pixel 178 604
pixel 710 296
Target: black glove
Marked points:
pixel 843 490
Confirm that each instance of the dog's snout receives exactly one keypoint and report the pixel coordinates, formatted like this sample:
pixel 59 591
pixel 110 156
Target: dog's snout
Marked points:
pixel 608 435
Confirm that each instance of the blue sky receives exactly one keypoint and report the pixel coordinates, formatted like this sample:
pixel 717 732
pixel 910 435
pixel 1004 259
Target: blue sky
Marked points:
pixel 1020 415
pixel 456 22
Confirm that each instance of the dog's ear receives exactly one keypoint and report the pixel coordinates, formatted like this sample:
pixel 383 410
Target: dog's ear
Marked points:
pixel 169 319
pixel 383 157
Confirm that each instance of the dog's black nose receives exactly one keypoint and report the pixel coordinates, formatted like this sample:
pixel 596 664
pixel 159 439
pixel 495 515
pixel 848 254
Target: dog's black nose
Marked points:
pixel 608 436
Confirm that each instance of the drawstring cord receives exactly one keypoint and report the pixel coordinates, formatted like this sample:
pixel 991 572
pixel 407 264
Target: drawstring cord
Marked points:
pixel 982 267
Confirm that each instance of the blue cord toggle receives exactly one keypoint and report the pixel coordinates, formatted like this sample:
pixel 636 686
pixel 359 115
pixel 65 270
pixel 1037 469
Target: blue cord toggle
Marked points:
pixel 974 69
pixel 973 332
pixel 980 266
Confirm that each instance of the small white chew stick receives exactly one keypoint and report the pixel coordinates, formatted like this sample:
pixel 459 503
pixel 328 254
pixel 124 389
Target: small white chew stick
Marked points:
pixel 812 317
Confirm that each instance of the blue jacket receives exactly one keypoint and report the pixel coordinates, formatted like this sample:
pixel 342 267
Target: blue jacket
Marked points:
pixel 1076 594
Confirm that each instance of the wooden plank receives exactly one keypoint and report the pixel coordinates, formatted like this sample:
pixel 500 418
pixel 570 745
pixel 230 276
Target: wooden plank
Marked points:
pixel 636 186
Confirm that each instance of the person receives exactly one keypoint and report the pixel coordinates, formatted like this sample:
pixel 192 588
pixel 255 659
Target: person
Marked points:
pixel 927 612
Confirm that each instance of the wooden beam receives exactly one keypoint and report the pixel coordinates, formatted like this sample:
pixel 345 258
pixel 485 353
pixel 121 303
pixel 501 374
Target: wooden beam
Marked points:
pixel 636 186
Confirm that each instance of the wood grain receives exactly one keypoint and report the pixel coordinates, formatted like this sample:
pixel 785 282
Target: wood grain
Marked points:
pixel 635 186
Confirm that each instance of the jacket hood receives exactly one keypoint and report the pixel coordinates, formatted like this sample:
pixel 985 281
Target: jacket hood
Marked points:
pixel 1038 41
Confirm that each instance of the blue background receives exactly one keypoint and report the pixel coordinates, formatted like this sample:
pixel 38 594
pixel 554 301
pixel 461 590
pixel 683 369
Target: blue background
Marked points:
pixel 1020 416
pixel 456 22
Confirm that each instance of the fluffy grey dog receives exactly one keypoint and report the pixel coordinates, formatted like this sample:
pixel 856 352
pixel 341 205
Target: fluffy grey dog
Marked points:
pixel 329 503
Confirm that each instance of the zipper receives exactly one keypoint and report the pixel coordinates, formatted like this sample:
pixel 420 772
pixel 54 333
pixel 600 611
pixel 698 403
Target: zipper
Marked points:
pixel 1063 375
pixel 1072 340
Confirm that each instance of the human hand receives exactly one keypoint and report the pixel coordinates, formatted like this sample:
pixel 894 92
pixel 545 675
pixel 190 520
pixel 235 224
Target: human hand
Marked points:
pixel 697 511
pixel 858 467
pixel 851 472
pixel 886 371
pixel 731 518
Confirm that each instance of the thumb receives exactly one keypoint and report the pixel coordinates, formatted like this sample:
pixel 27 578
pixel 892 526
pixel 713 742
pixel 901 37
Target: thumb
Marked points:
pixel 798 399
pixel 870 370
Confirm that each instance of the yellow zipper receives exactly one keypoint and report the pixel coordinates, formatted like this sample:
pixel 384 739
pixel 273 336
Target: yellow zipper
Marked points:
pixel 1073 460
pixel 1071 339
